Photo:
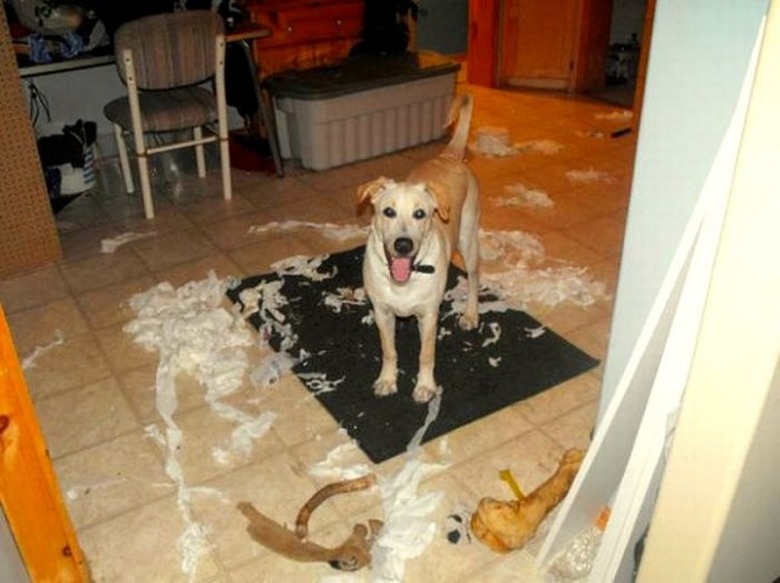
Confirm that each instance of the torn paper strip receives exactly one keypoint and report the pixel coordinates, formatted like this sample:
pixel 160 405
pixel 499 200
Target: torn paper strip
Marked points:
pixel 493 142
pixel 193 333
pixel 345 296
pixel 333 466
pixel 521 196
pixel 271 368
pixel 329 230
pixel 408 524
pixel 111 244
pixel 617 114
pixel 29 360
pixel 547 147
pixel 304 266
pixel 589 175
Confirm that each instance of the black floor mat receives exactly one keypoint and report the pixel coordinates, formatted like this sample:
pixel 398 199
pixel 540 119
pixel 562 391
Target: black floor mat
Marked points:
pixel 509 358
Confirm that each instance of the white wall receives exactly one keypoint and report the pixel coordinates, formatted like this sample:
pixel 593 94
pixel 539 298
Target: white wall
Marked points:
pixel 698 58
pixel 81 94
pixel 716 517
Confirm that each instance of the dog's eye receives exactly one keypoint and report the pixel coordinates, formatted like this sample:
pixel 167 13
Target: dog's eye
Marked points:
pixel 419 214
pixel 389 212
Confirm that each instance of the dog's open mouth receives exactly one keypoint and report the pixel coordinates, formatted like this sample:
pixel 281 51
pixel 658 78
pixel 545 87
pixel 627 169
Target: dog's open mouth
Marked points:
pixel 400 267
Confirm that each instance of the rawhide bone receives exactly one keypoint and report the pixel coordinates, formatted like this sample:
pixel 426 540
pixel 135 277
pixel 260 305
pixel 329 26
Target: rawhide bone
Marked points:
pixel 505 526
pixel 353 554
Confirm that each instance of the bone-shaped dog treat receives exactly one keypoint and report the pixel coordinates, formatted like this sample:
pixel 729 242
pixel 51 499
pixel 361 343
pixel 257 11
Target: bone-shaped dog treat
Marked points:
pixel 505 526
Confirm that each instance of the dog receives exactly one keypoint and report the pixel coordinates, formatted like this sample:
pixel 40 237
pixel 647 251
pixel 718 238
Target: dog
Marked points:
pixel 416 227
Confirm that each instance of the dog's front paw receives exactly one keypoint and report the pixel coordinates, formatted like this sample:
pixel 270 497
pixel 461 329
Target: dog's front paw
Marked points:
pixel 424 392
pixel 468 321
pixel 384 387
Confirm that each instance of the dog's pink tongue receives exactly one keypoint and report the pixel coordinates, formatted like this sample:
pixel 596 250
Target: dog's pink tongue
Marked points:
pixel 401 268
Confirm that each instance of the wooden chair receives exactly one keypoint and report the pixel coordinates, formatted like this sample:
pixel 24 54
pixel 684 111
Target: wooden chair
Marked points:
pixel 165 61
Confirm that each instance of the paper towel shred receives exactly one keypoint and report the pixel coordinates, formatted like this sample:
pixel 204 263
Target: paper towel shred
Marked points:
pixel 511 247
pixel 266 299
pixel 242 437
pixel 29 360
pixel 547 147
pixel 306 266
pixel 319 382
pixel 270 370
pixel 332 466
pixel 493 142
pixel 522 196
pixel 589 175
pixel 345 296
pixel 193 333
pixel 408 527
pixel 111 244
pixel 617 114
pixel 329 230
pixel 522 279
pixel 495 331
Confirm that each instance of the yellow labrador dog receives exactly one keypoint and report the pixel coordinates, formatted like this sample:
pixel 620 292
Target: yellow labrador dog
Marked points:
pixel 416 227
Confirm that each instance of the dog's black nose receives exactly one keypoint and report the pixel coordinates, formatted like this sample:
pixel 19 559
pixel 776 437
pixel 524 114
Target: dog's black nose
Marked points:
pixel 403 245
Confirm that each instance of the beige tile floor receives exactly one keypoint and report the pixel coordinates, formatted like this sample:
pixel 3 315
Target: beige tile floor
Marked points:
pixel 94 392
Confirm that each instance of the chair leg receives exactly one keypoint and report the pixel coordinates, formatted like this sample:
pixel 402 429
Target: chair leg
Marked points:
pixel 224 158
pixel 146 185
pixel 200 152
pixel 268 115
pixel 124 161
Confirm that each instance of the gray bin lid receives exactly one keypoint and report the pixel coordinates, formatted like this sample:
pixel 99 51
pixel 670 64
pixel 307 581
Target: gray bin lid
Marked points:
pixel 358 73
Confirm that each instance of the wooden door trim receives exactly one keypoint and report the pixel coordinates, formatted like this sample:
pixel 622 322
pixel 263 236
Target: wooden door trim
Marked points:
pixel 29 493
pixel 483 44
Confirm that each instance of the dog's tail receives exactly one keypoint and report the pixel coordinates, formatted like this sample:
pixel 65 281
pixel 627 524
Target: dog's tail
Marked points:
pixel 460 111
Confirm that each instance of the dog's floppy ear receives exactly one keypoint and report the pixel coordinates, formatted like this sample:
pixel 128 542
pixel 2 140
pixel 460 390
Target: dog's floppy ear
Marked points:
pixel 368 190
pixel 442 200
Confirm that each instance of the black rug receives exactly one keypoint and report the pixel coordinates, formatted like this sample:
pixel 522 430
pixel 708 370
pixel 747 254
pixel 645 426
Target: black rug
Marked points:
pixel 509 358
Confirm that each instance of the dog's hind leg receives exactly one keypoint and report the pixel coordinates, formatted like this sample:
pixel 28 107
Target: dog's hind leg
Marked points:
pixel 385 384
pixel 468 244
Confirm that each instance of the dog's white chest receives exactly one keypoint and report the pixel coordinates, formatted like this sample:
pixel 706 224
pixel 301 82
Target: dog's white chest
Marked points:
pixel 418 294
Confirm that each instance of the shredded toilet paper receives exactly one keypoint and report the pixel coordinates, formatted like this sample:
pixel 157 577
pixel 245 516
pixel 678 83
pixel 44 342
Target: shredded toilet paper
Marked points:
pixel 29 360
pixel 329 230
pixel 111 244
pixel 193 333
pixel 522 196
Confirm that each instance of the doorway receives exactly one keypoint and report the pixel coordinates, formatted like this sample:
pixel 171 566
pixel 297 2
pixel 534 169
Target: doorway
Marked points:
pixel 622 66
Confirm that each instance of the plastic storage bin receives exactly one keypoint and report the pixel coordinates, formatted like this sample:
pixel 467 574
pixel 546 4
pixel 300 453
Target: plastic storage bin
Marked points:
pixel 368 106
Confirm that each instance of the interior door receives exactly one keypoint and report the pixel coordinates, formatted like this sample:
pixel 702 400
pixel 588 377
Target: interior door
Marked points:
pixel 539 43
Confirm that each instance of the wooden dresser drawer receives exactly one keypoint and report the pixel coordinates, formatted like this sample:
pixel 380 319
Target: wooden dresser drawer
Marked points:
pixel 302 23
pixel 305 33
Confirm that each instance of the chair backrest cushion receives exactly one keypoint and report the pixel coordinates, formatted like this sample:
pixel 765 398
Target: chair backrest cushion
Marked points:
pixel 172 49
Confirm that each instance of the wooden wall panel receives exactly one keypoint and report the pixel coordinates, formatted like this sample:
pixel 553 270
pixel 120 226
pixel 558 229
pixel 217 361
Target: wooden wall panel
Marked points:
pixel 28 233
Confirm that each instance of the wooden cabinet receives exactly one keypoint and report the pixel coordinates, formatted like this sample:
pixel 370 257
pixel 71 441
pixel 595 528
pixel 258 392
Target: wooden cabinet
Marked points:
pixel 305 33
pixel 537 43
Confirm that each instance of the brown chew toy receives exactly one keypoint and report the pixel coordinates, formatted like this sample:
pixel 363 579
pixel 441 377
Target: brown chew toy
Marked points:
pixel 506 526
pixel 353 554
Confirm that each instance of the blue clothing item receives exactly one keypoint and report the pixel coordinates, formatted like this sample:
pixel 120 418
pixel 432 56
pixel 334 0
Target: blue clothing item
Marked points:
pixel 39 50
pixel 72 45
